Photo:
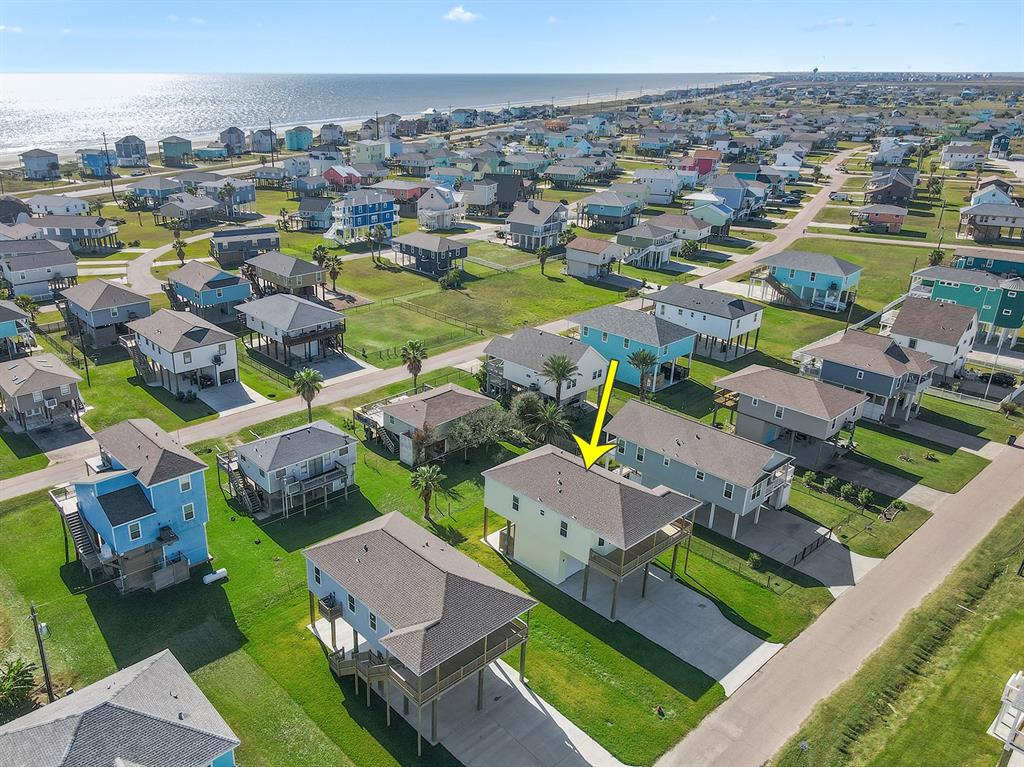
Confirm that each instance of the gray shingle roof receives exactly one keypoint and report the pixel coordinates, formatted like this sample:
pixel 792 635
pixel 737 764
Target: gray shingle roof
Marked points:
pixel 793 392
pixel 938 321
pixel 431 242
pixel 286 266
pixel 964 276
pixel 287 312
pixel 705 301
pixel 642 327
pixel 201 276
pixel 150 713
pixel 29 374
pixel 147 451
pixel 179 331
pixel 125 505
pixel 873 353
pixel 617 509
pixel 10 311
pixel 812 262
pixel 533 212
pixel 293 445
pixel 436 600
pixel 695 444
pixel 531 347
pixel 102 294
pixel 438 406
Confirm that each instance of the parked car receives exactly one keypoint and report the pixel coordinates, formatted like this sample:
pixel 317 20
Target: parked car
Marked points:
pixel 138 173
pixel 791 200
pixel 999 379
pixel 841 196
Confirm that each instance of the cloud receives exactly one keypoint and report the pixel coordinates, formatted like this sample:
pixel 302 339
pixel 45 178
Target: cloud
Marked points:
pixel 66 31
pixel 14 30
pixel 461 15
pixel 172 18
pixel 840 21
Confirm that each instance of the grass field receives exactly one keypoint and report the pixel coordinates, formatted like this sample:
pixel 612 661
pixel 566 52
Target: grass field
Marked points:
pixel 933 688
pixel 987 424
pixel 501 254
pixel 376 331
pixel 19 455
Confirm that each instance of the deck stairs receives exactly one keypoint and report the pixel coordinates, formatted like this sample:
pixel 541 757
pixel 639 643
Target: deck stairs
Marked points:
pixel 787 293
pixel 386 440
pixel 142 365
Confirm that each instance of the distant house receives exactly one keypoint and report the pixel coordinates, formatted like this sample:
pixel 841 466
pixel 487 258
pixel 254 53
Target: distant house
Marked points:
pixel 40 165
pixel 331 133
pixel 775 407
pixel 940 329
pixel 991 222
pixel 480 198
pixel 186 211
pixel 98 310
pixel 369 151
pixel 590 258
pixel 440 207
pixel 405 193
pixel 516 364
pixel 233 246
pixel 608 210
pixel 298 139
pixel 212 152
pixel 895 379
pixel 564 176
pixel 429 254
pixel 309 186
pixel 235 195
pixel 209 292
pixel 885 218
pixel 662 448
pixel 963 156
pixel 893 187
pixel 684 227
pixel 275 272
pixel 617 333
pixel 999 147
pixel 296 167
pixel 57 205
pixel 154 191
pixel 102 722
pixel 534 224
pixel 512 188
pixel 39 391
pixel 37 267
pixel 14 209
pixel 648 245
pixel 449 175
pixel 664 183
pixel 131 152
pixel 80 232
pixel 181 352
pixel 270 177
pixel 723 323
pixel 808 279
pixel 234 139
pixel 15 332
pixel 96 163
pixel 315 214
pixel 263 140
pixel 175 151
pixel 291 329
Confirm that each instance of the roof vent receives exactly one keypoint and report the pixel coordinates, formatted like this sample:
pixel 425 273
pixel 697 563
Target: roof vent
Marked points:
pixel 365 547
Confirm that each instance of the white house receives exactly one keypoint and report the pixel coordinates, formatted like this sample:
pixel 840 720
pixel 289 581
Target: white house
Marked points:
pixel 37 267
pixel 296 167
pixel 291 328
pixel 664 183
pixel 942 330
pixel 963 157
pixel 590 258
pixel 57 205
pixel 440 207
pixel 516 363
pixel 723 322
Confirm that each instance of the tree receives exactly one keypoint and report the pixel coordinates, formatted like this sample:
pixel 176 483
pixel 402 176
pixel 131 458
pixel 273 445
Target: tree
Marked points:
pixel 936 257
pixel 548 423
pixel 645 361
pixel 865 498
pixel 558 369
pixel 378 234
pixel 427 480
pixel 178 246
pixel 307 383
pixel 816 173
pixel 17 680
pixel 848 491
pixel 689 249
pixel 524 408
pixel 319 254
pixel 27 304
pixel 831 485
pixel 332 263
pixel 935 186
pixel 96 207
pixel 227 196
pixel 1009 408
pixel 413 353
pixel 542 255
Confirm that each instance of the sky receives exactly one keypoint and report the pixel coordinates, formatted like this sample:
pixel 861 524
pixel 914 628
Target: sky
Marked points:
pixel 521 36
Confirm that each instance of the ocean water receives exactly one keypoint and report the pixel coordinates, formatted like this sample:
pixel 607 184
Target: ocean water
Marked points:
pixel 64 112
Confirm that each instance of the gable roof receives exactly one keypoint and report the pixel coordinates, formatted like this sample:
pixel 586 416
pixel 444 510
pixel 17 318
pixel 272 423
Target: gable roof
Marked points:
pixel 873 353
pixel 804 395
pixel 147 451
pixel 938 321
pixel 102 294
pixel 287 266
pixel 431 242
pixel 437 406
pixel 200 276
pixel 30 374
pixel 531 348
pixel 642 327
pixel 294 445
pixel 179 331
pixel 705 301
pixel 436 600
pixel 534 212
pixel 619 510
pixel 288 312
pixel 726 456
pixel 149 714
pixel 807 261
pixel 11 311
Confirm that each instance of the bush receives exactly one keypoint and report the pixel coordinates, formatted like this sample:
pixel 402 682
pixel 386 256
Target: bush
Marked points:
pixel 865 498
pixel 812 478
pixel 848 491
pixel 451 280
pixel 899 505
pixel 17 680
pixel 754 560
pixel 1009 408
pixel 632 293
pixel 831 485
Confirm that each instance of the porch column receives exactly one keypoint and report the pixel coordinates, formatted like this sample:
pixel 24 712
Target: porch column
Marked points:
pixel 735 525
pixel 643 588
pixel 334 637
pixel 522 662
pixel 586 581
pixel 485 523
pixel 615 598
pixel 757 515
pixel 387 698
pixel 711 518
pixel 479 689
pixel 312 609
pixel 675 556
pixel 355 643
pixel 419 730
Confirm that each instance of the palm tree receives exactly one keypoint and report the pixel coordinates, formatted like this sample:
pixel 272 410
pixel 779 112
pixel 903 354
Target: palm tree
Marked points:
pixel 426 481
pixel 542 255
pixel 548 422
pixel 178 246
pixel 212 251
pixel 319 254
pixel 95 207
pixel 332 263
pixel 379 234
pixel 558 369
pixel 27 304
pixel 644 361
pixel 413 354
pixel 307 383
pixel 227 196
pixel 689 249
pixel 936 257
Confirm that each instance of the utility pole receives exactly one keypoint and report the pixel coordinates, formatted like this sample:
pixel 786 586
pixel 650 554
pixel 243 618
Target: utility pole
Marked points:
pixel 42 653
pixel 273 141
pixel 376 123
pixel 110 174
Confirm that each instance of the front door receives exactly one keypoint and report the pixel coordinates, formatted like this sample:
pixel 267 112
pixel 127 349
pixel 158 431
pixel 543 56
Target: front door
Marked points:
pixel 316 466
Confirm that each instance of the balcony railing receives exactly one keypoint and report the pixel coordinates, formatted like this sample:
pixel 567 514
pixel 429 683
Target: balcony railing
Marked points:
pixel 317 482
pixel 620 563
pixel 330 608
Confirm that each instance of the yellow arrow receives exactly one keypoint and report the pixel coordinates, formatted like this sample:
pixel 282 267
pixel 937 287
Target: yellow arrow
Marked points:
pixel 591 451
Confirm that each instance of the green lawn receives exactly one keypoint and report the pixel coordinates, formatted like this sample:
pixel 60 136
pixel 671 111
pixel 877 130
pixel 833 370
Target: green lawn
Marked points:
pixel 500 254
pixel 19 454
pixel 569 195
pixel 932 689
pixel 919 460
pixel 987 424
pixel 149 234
pixel 378 281
pixel 269 202
pixel 376 331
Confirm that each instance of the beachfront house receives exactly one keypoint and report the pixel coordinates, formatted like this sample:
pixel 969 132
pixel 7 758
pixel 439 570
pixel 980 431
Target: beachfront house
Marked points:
pixel 234 139
pixel 998 301
pixel 131 152
pixel 723 323
pixel 37 268
pixel 40 165
pixel 275 272
pixel 723 471
pixel 791 413
pixel 95 163
pixel 210 292
pixel 263 140
pixel 175 152
pixel 516 363
pixel 298 139
pixel 181 352
pixel 535 224
pixel 97 310
pixel 429 254
pixel 941 329
pixel 805 279
pixel 39 391
pixel 214 151
pixel 291 329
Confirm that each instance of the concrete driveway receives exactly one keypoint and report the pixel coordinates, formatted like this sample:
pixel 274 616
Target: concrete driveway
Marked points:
pixel 231 398
pixel 685 623
pixel 338 366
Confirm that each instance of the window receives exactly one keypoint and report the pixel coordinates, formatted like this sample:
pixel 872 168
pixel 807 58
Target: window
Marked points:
pixel 912 343
pixel 666 460
pixel 699 475
pixel 515 503
pixel 779 411
pixel 351 603
pixel 563 529
pixel 585 331
pixel 754 401
pixel 219 293
pixel 65 389
pixel 640 454
pixel 185 484
pixel 316 575
pixel 792 273
pixel 188 512
pixel 373 622
pixel 756 492
pixel 727 491
pixel 595 375
pixel 1007 312
pixel 187 358
pixel 134 531
pixel 620 446
pixel 113 310
pixel 604 337
pixel 600 541
pixel 860 375
pixel 222 349
pixel 37 396
pixel 1011 294
pixel 625 343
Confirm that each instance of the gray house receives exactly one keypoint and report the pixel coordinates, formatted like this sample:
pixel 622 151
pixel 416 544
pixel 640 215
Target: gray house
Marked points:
pixel 234 139
pixel 661 447
pixel 534 224
pixel 235 245
pixel 131 152
pixel 723 323
pixel 99 309
pixel 292 329
pixel 39 391
pixel 37 268
pixel 275 272
pixel 802 416
pixel 149 713
pixel 895 379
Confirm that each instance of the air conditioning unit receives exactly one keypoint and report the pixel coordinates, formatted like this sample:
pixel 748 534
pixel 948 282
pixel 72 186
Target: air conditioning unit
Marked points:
pixel 51 403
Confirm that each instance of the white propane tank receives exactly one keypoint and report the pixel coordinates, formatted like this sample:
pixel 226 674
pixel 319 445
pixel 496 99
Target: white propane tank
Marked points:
pixel 216 575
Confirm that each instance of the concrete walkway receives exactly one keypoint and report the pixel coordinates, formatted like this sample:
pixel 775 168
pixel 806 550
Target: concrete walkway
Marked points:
pixel 755 722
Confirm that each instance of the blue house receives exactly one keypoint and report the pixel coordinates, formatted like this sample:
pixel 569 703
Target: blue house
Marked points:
pixel 298 139
pixel 13 325
pixel 156 190
pixel 215 150
pixel 140 517
pixel 616 333
pixel 357 213
pixel 809 279
pixel 316 214
pixel 98 310
pixel 609 210
pixel 97 163
pixel 209 292
pixel 309 186
pixel 655 143
pixel 448 175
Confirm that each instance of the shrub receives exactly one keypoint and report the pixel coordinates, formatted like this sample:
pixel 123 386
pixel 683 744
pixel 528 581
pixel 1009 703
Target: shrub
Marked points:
pixel 848 491
pixel 17 680
pixel 831 485
pixel 1009 408
pixel 451 280
pixel 812 478
pixel 865 498
pixel 754 560
pixel 899 505
pixel 632 293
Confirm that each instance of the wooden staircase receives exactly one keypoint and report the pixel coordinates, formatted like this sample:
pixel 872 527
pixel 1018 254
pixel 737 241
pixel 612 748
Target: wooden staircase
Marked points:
pixel 386 440
pixel 142 365
pixel 243 490
pixel 784 291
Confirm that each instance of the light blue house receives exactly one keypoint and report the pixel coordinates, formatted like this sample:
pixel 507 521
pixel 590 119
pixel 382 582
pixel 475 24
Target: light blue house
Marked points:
pixel 140 516
pixel 13 325
pixel 309 186
pixel 609 210
pixel 448 175
pixel 175 151
pixel 298 139
pixel 655 143
pixel 809 279
pixel 213 151
pixel 97 163
pixel 616 333
pixel 156 190
pixel 209 292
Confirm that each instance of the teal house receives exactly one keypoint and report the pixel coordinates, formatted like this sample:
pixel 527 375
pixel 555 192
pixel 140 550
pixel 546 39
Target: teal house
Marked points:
pixel 175 151
pixel 999 262
pixel 212 151
pixel 814 280
pixel 298 139
pixel 616 333
pixel 608 210
pixel 13 325
pixel 999 301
